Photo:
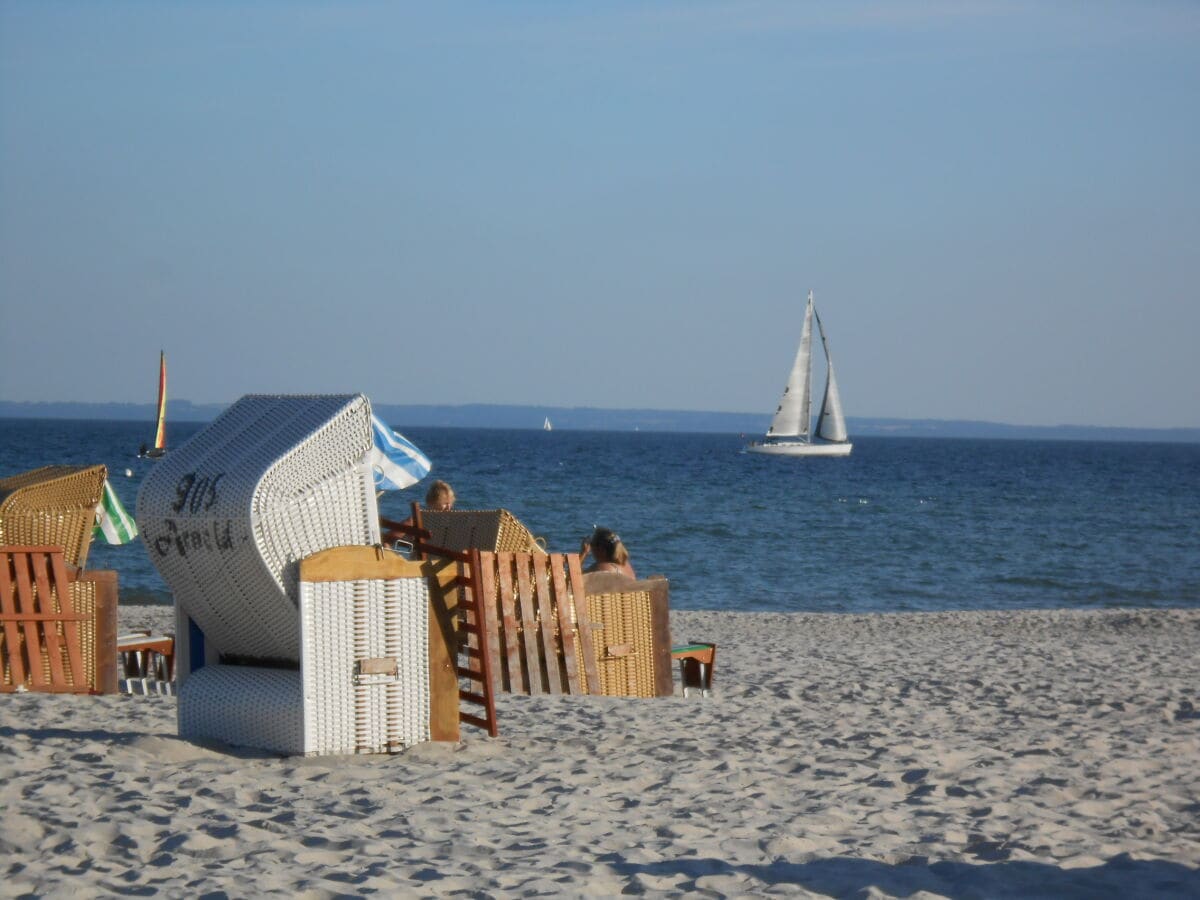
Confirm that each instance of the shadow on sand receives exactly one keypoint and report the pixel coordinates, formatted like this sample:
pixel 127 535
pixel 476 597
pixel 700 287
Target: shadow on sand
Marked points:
pixel 1119 877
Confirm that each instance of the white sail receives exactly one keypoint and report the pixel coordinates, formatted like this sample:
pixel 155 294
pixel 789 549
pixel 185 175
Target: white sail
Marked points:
pixel 792 418
pixel 831 424
pixel 546 426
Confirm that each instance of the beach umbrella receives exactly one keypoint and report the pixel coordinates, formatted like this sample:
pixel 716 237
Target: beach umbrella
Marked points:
pixel 113 523
pixel 396 460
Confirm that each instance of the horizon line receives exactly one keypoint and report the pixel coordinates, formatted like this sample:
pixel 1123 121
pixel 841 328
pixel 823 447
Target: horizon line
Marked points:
pixel 542 408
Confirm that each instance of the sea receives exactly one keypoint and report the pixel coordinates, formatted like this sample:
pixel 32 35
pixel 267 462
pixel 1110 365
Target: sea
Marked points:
pixel 903 524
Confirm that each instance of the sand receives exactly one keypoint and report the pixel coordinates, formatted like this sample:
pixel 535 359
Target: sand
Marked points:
pixel 941 754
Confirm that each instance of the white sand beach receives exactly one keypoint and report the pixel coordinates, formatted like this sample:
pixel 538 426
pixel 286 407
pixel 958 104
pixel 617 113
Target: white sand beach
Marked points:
pixel 1022 754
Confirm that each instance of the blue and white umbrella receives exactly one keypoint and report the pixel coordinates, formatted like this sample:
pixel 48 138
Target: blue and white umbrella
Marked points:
pixel 397 461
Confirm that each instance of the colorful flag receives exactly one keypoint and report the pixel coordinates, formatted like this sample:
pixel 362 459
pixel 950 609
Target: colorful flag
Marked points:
pixel 112 522
pixel 396 460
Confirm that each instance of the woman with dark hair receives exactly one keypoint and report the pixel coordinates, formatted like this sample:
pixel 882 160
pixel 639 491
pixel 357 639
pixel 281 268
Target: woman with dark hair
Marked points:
pixel 608 553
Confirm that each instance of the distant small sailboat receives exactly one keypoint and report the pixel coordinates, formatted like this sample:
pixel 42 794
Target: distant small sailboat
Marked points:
pixel 160 428
pixel 546 426
pixel 790 433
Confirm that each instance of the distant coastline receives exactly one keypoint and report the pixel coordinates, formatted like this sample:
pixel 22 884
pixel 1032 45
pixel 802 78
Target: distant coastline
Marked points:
pixel 582 418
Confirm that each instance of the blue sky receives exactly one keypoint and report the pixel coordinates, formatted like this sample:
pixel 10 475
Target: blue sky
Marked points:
pixel 606 204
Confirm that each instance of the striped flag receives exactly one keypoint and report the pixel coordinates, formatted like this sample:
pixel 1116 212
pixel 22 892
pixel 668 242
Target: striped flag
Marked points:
pixel 396 460
pixel 112 522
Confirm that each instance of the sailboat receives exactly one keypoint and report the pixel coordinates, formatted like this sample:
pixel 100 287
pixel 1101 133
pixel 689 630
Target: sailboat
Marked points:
pixel 160 428
pixel 791 432
pixel 546 426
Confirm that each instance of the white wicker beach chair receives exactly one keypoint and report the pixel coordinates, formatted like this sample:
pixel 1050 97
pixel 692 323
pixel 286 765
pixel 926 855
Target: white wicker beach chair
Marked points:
pixel 227 518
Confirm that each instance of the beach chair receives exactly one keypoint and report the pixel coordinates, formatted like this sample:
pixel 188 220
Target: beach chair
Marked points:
pixel 495 530
pixel 58 627
pixel 52 505
pixel 226 519
pixel 631 636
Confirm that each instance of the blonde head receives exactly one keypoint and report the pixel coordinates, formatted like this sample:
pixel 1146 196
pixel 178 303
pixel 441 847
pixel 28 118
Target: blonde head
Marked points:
pixel 440 496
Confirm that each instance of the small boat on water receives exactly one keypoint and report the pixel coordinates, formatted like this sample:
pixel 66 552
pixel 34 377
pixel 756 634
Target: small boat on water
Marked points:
pixel 160 428
pixel 791 432
pixel 546 426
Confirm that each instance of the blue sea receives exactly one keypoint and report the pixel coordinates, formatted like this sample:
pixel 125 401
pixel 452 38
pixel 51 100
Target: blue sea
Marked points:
pixel 903 524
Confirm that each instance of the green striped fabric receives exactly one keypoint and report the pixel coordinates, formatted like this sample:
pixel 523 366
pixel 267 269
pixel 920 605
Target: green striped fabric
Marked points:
pixel 113 523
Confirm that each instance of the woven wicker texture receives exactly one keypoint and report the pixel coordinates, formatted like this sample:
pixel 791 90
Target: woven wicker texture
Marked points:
pixel 227 517
pixel 623 644
pixel 495 530
pixel 346 626
pixel 244 706
pixel 52 505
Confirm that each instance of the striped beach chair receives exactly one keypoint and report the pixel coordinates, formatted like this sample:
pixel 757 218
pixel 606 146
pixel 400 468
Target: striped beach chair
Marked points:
pixel 264 658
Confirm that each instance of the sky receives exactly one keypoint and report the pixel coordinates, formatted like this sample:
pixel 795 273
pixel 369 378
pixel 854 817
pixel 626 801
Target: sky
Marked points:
pixel 619 205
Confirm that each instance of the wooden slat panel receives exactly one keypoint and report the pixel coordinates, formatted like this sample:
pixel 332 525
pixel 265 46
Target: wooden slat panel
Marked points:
pixel 46 644
pixel 544 595
pixel 79 678
pixel 566 630
pixel 25 603
pixel 533 673
pixel 583 623
pixel 514 678
pixel 483 566
pixel 13 651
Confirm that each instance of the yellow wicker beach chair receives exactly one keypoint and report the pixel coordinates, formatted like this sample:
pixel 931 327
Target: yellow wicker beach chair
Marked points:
pixel 53 505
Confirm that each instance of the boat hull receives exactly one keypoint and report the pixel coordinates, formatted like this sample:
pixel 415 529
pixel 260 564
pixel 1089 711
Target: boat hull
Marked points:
pixel 800 448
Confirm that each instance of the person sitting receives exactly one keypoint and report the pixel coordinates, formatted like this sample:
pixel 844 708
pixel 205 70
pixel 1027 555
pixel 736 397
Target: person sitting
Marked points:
pixel 439 497
pixel 608 553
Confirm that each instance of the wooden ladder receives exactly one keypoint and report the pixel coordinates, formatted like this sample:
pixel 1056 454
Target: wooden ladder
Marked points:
pixel 475 655
pixel 473 663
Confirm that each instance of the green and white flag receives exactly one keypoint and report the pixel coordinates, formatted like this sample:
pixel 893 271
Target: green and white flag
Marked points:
pixel 112 522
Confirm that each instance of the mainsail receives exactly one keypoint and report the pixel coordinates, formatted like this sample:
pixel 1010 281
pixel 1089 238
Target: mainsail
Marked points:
pixel 795 407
